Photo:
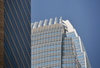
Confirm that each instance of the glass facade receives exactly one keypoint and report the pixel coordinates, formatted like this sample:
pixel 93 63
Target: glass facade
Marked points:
pixel 69 59
pixel 56 45
pixel 81 53
pixel 46 51
pixel 17 34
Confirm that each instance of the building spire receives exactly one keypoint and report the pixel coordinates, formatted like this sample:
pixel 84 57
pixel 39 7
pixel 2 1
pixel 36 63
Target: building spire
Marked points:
pixel 55 21
pixel 60 20
pixel 35 25
pixel 45 22
pixel 40 23
pixel 50 21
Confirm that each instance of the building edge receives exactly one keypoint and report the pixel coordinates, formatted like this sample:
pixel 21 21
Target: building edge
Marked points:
pixel 1 33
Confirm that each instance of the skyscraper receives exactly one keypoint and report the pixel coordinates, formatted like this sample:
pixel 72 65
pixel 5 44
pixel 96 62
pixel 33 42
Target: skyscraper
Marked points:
pixel 15 20
pixel 56 44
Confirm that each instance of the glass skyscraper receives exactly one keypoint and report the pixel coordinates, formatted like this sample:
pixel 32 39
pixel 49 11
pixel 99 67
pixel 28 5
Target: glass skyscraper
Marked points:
pixel 56 44
pixel 15 21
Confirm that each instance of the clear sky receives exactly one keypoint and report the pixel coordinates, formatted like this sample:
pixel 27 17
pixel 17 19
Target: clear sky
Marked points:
pixel 84 16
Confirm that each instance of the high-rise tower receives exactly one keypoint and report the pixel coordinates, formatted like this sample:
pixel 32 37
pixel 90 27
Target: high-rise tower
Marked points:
pixel 56 44
pixel 15 20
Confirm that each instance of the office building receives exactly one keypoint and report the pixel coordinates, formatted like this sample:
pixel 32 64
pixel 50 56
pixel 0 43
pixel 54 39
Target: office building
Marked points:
pixel 15 21
pixel 56 44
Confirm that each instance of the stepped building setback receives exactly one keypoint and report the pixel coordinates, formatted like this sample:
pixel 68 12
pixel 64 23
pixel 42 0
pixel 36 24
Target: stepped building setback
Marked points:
pixel 56 44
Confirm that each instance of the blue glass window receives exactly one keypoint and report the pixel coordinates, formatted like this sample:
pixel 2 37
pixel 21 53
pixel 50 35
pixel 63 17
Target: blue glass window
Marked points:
pixel 68 51
pixel 56 67
pixel 46 58
pixel 45 34
pixel 78 51
pixel 46 39
pixel 67 45
pixel 77 45
pixel 76 40
pixel 52 46
pixel 52 62
pixel 68 59
pixel 67 40
pixel 45 53
pixel 70 64
pixel 82 67
pixel 71 35
pixel 80 57
pixel 82 62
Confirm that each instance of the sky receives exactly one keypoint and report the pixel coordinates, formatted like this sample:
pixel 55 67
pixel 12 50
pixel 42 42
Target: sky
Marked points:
pixel 84 15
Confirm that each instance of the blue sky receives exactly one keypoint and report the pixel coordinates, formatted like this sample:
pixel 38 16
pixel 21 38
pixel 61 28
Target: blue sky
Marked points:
pixel 84 16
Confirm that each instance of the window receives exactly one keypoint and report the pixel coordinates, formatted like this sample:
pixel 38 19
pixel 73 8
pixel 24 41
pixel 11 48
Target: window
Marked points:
pixel 70 64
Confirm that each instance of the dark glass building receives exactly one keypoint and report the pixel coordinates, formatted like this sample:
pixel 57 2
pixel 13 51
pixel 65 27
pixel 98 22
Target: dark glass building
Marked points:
pixel 16 20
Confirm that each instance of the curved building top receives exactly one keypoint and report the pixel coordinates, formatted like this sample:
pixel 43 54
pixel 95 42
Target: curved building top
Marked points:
pixel 46 22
